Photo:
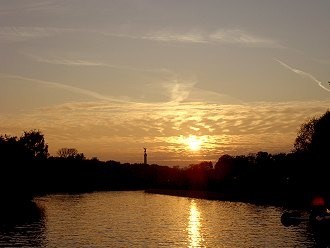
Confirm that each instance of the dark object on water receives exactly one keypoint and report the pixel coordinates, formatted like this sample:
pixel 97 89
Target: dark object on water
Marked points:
pixel 321 220
pixel 315 220
pixel 292 218
pixel 319 215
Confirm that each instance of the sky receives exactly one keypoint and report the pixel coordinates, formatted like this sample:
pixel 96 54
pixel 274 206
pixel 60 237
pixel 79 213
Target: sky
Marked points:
pixel 189 80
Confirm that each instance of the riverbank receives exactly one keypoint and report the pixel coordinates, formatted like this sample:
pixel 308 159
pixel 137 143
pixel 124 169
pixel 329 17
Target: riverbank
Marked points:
pixel 189 193
pixel 259 199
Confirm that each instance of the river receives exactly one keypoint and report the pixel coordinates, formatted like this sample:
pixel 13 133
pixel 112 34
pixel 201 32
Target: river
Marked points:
pixel 138 219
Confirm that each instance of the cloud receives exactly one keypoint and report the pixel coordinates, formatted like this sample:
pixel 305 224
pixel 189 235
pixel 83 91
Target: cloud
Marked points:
pixel 28 6
pixel 303 74
pixel 26 33
pixel 221 36
pixel 69 62
pixel 237 36
pixel 161 36
pixel 170 36
pixel 92 63
pixel 70 88
pixel 178 90
pixel 116 130
pixel 169 92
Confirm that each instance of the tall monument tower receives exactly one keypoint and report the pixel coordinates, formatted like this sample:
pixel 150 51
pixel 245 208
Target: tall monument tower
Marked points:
pixel 145 155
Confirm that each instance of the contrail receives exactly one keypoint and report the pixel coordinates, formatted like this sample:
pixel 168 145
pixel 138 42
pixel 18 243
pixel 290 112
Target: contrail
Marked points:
pixel 65 87
pixel 302 73
pixel 82 62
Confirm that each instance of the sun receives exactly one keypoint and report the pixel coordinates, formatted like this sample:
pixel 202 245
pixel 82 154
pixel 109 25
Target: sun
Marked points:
pixel 194 143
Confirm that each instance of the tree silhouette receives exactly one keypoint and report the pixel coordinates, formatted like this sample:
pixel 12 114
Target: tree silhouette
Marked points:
pixel 312 147
pixel 70 153
pixel 10 148
pixel 34 143
pixel 314 137
pixel 224 166
pixel 304 137
pixel 320 144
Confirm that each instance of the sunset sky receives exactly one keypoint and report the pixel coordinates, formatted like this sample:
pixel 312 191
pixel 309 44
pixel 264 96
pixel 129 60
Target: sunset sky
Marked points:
pixel 190 80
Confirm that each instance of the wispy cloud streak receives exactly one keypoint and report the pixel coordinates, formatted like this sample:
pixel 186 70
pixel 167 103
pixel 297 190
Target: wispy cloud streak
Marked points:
pixel 178 91
pixel 28 6
pixel 221 36
pixel 237 36
pixel 303 74
pixel 170 36
pixel 78 62
pixel 90 63
pixel 64 87
pixel 27 33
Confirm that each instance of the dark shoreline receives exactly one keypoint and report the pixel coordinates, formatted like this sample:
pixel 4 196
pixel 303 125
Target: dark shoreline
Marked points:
pixel 199 194
pixel 220 196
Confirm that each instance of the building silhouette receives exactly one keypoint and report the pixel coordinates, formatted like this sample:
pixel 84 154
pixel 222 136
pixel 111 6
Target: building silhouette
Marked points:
pixel 145 156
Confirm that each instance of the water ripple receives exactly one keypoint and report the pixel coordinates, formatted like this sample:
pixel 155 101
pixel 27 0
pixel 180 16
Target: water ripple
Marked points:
pixel 137 219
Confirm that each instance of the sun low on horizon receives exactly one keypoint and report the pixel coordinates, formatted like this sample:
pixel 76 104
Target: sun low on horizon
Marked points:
pixel 164 123
pixel 190 80
pixel 193 143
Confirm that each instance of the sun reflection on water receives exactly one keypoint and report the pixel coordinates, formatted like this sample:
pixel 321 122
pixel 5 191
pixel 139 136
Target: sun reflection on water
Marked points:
pixel 194 227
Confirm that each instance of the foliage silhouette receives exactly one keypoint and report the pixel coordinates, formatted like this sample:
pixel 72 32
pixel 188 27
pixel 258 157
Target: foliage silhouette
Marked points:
pixel 31 145
pixel 321 138
pixel 10 148
pixel 70 153
pixel 305 135
pixel 34 143
pixel 282 178
pixel 314 137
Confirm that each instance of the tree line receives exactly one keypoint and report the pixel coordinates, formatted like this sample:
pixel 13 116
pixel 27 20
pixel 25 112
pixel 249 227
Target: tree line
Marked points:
pixel 27 169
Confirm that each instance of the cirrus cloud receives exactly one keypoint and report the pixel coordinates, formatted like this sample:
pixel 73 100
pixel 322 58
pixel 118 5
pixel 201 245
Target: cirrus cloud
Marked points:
pixel 118 131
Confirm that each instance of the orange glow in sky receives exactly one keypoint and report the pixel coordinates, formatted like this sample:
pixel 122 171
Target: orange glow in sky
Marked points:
pixel 189 80
pixel 194 143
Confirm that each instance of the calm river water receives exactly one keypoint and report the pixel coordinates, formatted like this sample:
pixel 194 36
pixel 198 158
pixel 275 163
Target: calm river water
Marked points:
pixel 138 219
